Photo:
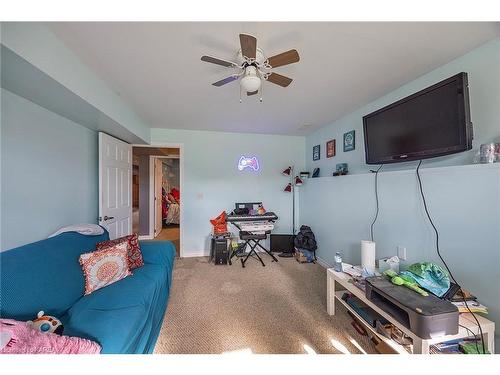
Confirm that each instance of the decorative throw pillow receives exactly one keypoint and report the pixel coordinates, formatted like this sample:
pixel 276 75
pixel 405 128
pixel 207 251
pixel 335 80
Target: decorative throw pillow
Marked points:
pixel 134 251
pixel 104 267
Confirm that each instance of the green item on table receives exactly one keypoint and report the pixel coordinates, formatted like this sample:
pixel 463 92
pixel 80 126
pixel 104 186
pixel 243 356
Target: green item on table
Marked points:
pixel 390 273
pixel 471 348
pixel 429 276
pixel 404 281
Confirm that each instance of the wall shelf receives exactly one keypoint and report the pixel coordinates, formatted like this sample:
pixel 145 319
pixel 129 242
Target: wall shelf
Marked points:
pixel 423 170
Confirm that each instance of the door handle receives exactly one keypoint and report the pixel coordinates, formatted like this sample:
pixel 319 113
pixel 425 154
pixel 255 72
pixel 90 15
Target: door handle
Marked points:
pixel 106 218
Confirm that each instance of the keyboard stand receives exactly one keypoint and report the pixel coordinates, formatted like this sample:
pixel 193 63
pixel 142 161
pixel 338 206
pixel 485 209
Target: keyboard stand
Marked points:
pixel 252 240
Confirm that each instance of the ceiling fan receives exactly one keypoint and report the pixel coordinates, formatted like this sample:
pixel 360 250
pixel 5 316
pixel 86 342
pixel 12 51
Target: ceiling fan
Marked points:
pixel 254 66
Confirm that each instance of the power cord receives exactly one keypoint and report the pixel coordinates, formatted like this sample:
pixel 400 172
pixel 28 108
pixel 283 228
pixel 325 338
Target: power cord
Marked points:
pixel 473 334
pixel 442 260
pixel 376 200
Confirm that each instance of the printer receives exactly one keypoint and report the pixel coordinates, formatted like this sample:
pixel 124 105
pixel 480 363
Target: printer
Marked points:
pixel 427 317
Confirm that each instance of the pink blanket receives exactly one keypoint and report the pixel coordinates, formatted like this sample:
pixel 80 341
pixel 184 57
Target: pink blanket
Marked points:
pixel 19 338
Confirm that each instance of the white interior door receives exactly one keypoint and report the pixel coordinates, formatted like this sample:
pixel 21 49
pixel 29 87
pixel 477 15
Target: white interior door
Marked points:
pixel 115 186
pixel 158 173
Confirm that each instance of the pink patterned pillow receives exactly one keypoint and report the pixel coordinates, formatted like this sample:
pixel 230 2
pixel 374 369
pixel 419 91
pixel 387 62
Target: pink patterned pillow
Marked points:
pixel 104 267
pixel 134 251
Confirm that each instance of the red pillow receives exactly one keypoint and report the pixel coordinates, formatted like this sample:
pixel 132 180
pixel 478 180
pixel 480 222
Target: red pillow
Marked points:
pixel 134 251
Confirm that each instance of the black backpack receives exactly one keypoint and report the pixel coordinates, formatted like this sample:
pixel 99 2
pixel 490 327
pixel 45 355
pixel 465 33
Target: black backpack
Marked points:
pixel 305 239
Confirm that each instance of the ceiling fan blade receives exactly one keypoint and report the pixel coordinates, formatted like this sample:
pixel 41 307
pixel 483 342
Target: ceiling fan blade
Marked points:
pixel 278 79
pixel 249 93
pixel 225 80
pixel 215 60
pixel 285 58
pixel 248 45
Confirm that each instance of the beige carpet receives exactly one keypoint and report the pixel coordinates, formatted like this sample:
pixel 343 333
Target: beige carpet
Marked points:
pixel 280 308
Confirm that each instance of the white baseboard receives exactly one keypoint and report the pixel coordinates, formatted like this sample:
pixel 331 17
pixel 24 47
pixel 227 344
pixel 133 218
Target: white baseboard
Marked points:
pixel 196 254
pixel 148 237
pixel 323 263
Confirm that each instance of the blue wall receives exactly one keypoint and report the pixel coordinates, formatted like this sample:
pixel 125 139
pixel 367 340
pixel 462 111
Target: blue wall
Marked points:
pixel 483 68
pixel 71 84
pixel 211 182
pixel 464 200
pixel 49 172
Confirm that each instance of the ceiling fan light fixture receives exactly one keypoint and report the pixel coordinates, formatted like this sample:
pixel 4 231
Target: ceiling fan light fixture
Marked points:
pixel 251 81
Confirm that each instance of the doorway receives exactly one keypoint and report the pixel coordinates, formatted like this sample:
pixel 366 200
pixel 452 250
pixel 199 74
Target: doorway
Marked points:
pixel 167 178
pixel 156 193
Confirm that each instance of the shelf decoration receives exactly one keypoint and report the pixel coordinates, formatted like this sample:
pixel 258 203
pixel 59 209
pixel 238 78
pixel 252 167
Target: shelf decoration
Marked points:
pixel 349 141
pixel 330 148
pixel 316 152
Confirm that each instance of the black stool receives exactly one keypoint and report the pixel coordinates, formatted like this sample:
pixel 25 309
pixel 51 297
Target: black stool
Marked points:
pixel 253 240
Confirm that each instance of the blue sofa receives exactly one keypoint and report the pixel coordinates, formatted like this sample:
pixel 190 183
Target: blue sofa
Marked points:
pixel 124 317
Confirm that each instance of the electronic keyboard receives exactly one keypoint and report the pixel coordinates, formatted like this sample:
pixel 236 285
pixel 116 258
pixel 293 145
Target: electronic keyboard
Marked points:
pixel 268 216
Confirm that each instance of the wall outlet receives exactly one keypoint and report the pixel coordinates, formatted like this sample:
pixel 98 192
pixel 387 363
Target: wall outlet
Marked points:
pixel 402 252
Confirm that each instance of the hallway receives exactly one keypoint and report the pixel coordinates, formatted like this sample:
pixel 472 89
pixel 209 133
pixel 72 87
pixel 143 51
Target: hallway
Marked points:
pixel 171 233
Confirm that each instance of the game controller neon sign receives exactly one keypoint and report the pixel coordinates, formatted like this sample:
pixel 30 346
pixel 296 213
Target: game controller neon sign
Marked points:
pixel 250 163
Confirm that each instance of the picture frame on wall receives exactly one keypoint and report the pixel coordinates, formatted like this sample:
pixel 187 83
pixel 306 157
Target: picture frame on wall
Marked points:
pixel 349 141
pixel 330 148
pixel 316 152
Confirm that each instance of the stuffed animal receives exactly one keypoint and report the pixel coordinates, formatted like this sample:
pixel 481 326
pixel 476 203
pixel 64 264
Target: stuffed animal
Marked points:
pixel 261 210
pixel 46 323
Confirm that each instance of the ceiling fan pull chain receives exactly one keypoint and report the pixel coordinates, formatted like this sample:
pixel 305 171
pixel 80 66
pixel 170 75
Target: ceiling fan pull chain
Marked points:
pixel 261 92
pixel 241 101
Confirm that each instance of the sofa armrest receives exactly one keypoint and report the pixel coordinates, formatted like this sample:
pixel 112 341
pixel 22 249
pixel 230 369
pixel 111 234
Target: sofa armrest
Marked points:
pixel 157 252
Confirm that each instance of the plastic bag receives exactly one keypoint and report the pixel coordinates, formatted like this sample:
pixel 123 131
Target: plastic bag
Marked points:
pixel 219 223
pixel 429 276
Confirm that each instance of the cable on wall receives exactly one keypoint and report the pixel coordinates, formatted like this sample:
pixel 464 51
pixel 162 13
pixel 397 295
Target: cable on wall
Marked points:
pixel 376 201
pixel 440 257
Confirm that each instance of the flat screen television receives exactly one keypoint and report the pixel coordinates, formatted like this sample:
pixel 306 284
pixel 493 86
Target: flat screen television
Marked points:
pixel 282 243
pixel 432 122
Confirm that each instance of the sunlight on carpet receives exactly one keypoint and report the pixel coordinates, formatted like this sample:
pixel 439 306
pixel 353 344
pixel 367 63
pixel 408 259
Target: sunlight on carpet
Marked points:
pixel 341 348
pixel 309 350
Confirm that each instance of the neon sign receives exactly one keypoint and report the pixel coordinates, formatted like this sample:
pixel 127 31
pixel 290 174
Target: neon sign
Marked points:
pixel 250 162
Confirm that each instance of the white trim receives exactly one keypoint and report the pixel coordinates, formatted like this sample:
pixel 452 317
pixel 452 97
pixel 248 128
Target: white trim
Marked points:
pixel 323 263
pixel 197 255
pixel 152 206
pixel 180 146
pixel 148 237
pixel 99 171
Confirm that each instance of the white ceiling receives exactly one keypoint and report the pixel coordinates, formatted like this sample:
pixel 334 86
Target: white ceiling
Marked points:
pixel 156 68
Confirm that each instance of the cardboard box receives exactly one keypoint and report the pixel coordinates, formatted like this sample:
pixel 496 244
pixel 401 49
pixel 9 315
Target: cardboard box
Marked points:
pixel 299 257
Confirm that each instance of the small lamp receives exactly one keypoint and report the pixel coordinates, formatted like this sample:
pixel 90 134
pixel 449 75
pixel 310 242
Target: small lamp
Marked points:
pixel 287 172
pixel 290 188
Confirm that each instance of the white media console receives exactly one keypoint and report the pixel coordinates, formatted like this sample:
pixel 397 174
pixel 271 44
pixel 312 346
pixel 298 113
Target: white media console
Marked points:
pixel 339 282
